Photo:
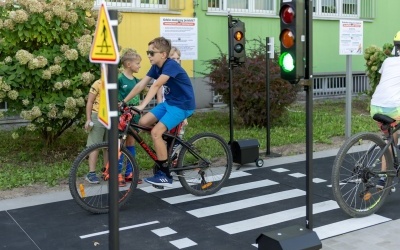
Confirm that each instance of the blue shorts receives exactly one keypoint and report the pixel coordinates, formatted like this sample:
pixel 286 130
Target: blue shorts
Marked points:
pixel 169 115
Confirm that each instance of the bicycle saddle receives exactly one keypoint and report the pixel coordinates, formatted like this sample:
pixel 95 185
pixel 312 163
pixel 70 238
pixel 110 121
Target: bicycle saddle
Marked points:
pixel 384 119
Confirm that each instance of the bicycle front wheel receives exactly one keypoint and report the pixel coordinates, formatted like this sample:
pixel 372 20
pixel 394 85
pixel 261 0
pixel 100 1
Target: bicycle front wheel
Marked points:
pixel 91 195
pixel 356 171
pixel 210 170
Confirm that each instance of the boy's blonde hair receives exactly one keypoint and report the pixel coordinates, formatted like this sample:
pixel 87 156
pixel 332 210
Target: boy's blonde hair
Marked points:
pixel 162 44
pixel 175 50
pixel 129 54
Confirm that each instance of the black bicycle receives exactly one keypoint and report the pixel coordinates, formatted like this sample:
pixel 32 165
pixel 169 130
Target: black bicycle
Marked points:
pixel 364 169
pixel 202 164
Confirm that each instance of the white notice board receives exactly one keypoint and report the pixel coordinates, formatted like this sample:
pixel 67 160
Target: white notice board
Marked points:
pixel 182 31
pixel 351 37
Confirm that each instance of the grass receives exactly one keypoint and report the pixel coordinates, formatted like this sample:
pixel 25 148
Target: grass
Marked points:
pixel 25 161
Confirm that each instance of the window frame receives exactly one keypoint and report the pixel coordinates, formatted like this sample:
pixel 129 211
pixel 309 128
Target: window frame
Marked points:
pixel 319 12
pixel 222 7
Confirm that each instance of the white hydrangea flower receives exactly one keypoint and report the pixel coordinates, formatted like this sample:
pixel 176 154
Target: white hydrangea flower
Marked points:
pixel 58 85
pixel 70 103
pixel 55 69
pixel 23 56
pixel 15 135
pixel 71 54
pixel 12 94
pixel 66 83
pixel 31 127
pixel 46 75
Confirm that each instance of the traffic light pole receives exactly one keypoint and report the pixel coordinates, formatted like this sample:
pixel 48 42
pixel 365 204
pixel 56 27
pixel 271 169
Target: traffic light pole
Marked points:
pixel 113 216
pixel 308 87
pixel 230 25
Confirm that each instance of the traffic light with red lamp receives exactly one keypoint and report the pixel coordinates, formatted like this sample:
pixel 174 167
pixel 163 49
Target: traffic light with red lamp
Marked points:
pixel 237 42
pixel 292 38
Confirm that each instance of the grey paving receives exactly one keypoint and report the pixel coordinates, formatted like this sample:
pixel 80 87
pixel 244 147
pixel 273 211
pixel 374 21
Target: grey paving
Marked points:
pixel 382 236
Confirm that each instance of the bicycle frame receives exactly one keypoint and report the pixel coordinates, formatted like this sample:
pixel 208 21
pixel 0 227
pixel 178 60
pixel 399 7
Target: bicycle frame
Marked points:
pixel 131 130
pixel 390 143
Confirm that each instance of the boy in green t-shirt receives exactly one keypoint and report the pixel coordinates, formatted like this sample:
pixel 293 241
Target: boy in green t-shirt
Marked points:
pixel 130 61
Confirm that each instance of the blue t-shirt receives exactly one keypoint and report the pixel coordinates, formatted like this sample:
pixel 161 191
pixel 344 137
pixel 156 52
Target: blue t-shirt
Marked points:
pixel 178 89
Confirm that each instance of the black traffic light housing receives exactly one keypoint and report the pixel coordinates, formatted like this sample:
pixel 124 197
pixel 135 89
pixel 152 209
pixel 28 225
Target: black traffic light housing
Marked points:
pixel 292 38
pixel 237 41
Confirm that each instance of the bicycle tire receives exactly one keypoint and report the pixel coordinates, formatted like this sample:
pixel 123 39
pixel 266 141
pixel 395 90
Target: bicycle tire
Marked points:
pixel 94 197
pixel 213 148
pixel 353 177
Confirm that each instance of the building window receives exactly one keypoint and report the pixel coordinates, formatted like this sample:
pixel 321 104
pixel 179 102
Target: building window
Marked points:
pixel 143 4
pixel 242 6
pixel 338 8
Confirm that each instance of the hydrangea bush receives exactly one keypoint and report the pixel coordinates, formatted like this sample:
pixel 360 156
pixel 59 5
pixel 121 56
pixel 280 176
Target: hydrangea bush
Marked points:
pixel 45 72
pixel 374 57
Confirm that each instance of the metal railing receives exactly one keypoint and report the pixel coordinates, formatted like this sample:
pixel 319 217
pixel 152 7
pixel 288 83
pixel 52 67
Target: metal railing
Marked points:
pixel 335 85
pixel 160 5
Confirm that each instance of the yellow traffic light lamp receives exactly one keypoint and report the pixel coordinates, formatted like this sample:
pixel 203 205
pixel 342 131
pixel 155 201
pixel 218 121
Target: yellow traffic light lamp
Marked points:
pixel 237 41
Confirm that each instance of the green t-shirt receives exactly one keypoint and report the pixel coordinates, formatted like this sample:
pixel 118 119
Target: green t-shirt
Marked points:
pixel 125 85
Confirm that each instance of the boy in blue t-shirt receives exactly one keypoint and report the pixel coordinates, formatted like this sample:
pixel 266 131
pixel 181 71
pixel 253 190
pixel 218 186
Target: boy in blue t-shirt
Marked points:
pixel 179 102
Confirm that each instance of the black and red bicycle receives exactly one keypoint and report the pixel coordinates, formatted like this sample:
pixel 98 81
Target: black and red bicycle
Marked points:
pixel 201 165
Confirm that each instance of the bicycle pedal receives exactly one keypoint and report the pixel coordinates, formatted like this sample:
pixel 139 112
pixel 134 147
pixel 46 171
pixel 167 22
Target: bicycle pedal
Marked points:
pixel 158 187
pixel 105 177
pixel 206 185
pixel 367 196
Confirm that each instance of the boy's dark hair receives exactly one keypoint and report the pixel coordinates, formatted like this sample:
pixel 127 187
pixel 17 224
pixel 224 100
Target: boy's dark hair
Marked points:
pixel 162 44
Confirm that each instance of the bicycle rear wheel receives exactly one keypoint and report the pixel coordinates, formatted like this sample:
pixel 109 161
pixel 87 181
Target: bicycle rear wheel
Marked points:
pixel 94 197
pixel 355 172
pixel 212 171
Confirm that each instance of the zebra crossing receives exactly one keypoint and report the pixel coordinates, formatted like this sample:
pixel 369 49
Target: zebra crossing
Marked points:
pixel 267 199
pixel 254 201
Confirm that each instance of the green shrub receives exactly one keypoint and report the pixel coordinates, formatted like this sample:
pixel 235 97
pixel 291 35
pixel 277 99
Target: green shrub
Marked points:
pixel 249 90
pixel 374 57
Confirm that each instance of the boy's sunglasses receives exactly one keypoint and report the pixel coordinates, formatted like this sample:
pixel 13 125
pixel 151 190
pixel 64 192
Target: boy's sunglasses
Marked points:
pixel 151 53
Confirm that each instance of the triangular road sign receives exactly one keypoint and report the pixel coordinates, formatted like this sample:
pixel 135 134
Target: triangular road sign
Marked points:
pixel 104 46
pixel 104 104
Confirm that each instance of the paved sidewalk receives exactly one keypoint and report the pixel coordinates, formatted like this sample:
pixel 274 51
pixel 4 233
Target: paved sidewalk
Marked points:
pixel 380 237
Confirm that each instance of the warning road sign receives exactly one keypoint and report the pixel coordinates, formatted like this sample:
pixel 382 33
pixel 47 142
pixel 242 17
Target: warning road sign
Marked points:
pixel 104 105
pixel 104 47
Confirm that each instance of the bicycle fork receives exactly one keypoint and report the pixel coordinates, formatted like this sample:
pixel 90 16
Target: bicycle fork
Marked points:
pixel 105 171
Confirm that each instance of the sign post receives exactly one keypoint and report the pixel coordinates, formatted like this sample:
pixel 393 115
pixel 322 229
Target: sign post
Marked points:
pixel 104 50
pixel 351 43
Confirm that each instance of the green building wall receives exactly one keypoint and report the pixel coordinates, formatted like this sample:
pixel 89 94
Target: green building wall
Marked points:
pixel 326 58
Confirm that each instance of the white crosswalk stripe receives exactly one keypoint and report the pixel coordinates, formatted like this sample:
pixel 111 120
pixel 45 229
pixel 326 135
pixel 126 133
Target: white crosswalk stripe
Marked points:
pixel 246 203
pixel 275 218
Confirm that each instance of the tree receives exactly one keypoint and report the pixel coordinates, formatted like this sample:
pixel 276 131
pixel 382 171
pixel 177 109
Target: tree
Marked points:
pixel 249 92
pixel 45 72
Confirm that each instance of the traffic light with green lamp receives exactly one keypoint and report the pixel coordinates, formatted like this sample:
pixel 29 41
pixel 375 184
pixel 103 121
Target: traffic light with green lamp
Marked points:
pixel 237 42
pixel 292 38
